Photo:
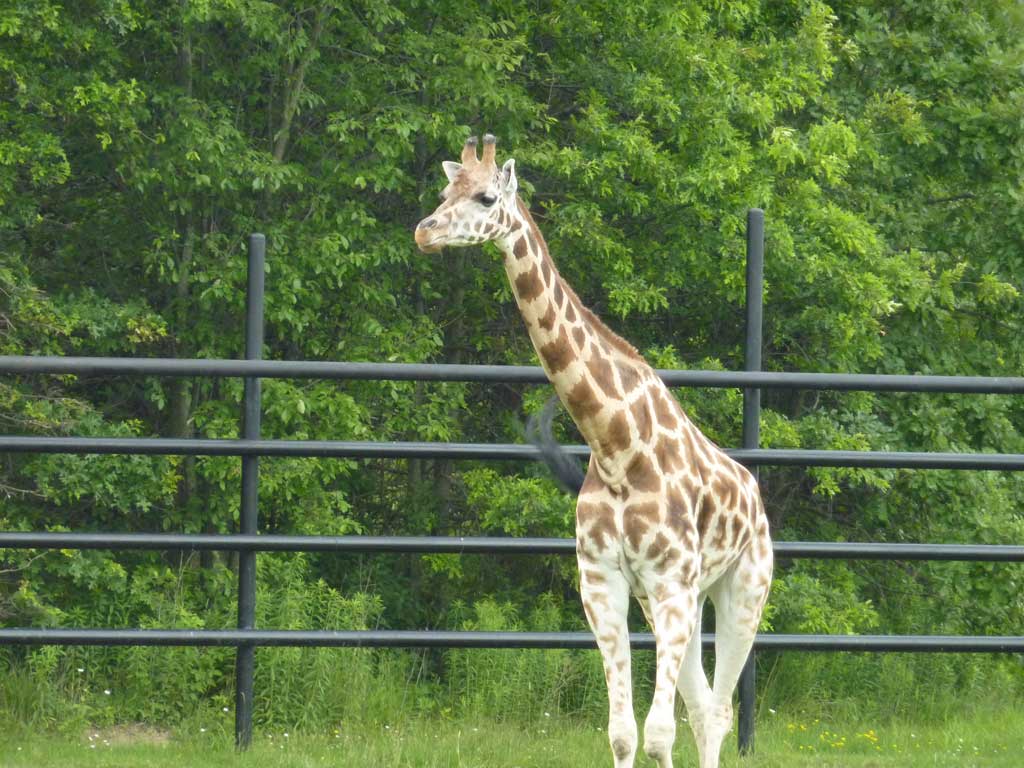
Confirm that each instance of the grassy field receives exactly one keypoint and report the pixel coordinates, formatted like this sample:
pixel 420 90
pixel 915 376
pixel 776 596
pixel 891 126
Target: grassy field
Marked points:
pixel 984 739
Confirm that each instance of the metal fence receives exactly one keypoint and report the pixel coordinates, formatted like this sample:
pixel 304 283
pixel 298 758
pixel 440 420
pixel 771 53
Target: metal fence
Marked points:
pixel 247 542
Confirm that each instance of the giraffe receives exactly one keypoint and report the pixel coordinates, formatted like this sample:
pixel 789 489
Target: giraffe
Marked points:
pixel 663 513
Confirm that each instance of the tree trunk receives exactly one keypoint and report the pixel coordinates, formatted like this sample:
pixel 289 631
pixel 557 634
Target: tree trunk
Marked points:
pixel 294 84
pixel 454 342
pixel 182 388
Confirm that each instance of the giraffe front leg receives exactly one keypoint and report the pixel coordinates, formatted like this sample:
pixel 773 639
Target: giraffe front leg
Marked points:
pixel 673 610
pixel 693 683
pixel 605 594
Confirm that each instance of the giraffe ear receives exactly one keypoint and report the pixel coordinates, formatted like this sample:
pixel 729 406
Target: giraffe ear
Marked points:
pixel 509 183
pixel 451 169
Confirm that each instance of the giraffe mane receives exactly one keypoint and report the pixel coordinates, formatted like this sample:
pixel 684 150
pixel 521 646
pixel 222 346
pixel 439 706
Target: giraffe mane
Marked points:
pixel 614 340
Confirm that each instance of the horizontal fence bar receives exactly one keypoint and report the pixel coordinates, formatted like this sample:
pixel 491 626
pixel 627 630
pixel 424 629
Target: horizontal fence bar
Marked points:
pixel 511 374
pixel 484 451
pixel 446 639
pixel 468 545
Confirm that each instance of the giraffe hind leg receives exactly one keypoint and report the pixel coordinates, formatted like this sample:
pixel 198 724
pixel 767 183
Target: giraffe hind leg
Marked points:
pixel 739 599
pixel 693 683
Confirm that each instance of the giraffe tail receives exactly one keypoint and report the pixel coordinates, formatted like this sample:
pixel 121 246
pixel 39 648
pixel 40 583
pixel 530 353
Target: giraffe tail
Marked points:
pixel 562 464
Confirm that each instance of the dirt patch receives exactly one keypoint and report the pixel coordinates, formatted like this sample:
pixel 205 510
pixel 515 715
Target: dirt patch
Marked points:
pixel 128 733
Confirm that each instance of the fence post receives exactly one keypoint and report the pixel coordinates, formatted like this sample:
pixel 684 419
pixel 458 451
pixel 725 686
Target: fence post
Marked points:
pixel 245 655
pixel 752 430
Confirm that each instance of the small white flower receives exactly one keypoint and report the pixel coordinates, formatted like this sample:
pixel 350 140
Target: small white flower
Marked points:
pixel 202 730
pixel 106 691
pixel 81 669
pixel 547 714
pixel 92 746
pixel 771 710
pixel 286 734
pixel 387 727
pixel 225 709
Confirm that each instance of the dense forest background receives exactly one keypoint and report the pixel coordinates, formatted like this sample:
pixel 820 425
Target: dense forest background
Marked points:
pixel 141 141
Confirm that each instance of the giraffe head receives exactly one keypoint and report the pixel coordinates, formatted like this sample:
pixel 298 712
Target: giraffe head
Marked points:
pixel 476 206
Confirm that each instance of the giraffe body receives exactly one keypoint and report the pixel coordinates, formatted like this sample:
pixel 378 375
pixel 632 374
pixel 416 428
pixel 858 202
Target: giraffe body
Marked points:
pixel 663 513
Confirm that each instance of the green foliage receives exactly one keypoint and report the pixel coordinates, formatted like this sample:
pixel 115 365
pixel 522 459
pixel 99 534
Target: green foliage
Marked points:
pixel 522 686
pixel 140 142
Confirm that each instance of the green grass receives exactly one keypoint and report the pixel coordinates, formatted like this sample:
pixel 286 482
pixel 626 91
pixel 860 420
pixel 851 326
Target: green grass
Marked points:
pixel 987 738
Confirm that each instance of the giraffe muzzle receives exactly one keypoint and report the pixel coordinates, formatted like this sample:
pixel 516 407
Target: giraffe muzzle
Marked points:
pixel 428 238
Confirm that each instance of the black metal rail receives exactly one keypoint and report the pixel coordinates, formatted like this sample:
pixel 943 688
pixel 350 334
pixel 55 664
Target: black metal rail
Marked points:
pixel 442 639
pixel 250 447
pixel 475 545
pixel 503 374
pixel 754 457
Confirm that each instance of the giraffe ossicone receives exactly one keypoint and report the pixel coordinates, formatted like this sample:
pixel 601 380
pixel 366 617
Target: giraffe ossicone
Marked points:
pixel 664 514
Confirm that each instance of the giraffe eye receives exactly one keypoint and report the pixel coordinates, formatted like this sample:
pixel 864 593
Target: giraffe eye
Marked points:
pixel 486 200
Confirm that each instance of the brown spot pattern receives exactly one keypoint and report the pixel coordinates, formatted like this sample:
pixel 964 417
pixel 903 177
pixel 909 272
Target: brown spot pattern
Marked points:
pixel 601 370
pixel 583 402
pixel 721 531
pixel 570 312
pixel 678 517
pixel 558 353
pixel 528 285
pixel 664 411
pixel 547 320
pixel 637 519
pixel 673 615
pixel 704 514
pixel 618 438
pixel 762 548
pixel 666 452
pixel 580 337
pixel 602 531
pixel 559 293
pixel 586 512
pixel 642 418
pixel 690 487
pixel 519 249
pixel 641 474
pixel 629 377
pixel 592 482
pixel 727 491
pixel 693 458
pixel 658 547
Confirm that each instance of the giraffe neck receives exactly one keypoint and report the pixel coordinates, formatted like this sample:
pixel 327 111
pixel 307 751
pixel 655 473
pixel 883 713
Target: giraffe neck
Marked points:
pixel 595 372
